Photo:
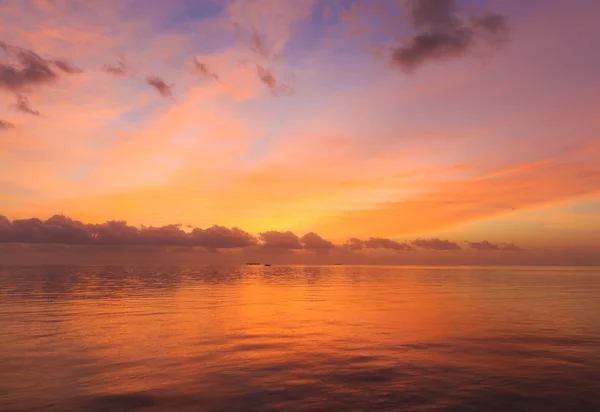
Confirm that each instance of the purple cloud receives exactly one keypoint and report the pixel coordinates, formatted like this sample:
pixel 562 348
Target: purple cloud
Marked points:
pixel 60 229
pixel 280 240
pixel 312 241
pixel 118 69
pixel 220 237
pixel 440 34
pixel 375 243
pixel 267 77
pixel 436 244
pixel 25 69
pixel 485 246
pixel 161 87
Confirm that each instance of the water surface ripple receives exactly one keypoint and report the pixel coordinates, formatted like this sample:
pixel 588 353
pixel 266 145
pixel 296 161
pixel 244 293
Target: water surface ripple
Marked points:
pixel 299 339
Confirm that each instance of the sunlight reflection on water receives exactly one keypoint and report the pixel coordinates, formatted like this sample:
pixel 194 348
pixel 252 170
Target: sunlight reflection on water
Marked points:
pixel 299 338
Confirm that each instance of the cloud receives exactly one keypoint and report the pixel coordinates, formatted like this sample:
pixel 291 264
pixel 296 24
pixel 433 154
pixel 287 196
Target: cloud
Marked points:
pixel 67 67
pixel 161 87
pixel 4 125
pixel 60 229
pixel 485 246
pixel 492 27
pixel 253 38
pixel 280 240
pixel 436 244
pixel 23 105
pixel 430 13
pixel 24 69
pixel 171 235
pixel 220 237
pixel 312 241
pixel 118 69
pixel 203 70
pixel 353 244
pixel 115 232
pixel 440 34
pixel 382 243
pixel 54 230
pixel 375 243
pixel 257 45
pixel 267 77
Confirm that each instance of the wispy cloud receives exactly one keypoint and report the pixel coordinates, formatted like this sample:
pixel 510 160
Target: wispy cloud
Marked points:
pixel 24 69
pixel 203 70
pixel 164 89
pixel 258 45
pixel 118 69
pixel 24 106
pixel 4 125
pixel 267 77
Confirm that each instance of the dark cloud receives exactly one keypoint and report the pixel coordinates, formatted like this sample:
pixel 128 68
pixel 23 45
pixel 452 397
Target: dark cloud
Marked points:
pixel 440 34
pixel 4 125
pixel 381 243
pixel 60 229
pixel 115 232
pixel 23 105
pixel 267 77
pixel 24 69
pixel 492 26
pixel 492 22
pixel 375 243
pixel 118 69
pixel 436 244
pixel 432 46
pixel 64 230
pixel 312 241
pixel 485 246
pixel 430 13
pixel 161 87
pixel 203 70
pixel 280 240
pixel 219 237
pixel 30 231
pixel 353 244
pixel 164 235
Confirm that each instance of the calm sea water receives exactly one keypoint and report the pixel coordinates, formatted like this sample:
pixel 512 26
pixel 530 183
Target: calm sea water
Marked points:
pixel 299 339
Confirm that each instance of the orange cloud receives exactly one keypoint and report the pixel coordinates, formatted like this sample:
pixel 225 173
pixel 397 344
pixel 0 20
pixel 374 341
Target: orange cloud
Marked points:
pixel 471 200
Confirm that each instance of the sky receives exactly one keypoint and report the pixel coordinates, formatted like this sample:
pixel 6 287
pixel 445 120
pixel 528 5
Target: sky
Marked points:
pixel 448 128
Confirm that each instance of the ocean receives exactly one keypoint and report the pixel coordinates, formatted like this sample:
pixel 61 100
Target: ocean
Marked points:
pixel 299 338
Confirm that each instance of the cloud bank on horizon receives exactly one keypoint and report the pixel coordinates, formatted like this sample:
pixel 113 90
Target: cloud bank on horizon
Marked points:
pixel 362 124
pixel 60 229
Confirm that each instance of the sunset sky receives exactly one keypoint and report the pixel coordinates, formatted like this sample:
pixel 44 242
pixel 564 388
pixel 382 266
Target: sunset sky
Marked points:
pixel 470 121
